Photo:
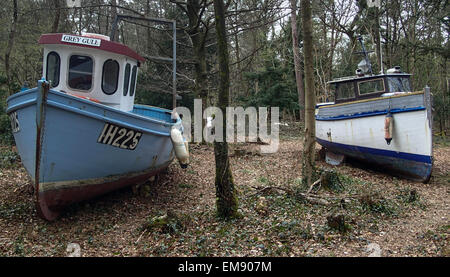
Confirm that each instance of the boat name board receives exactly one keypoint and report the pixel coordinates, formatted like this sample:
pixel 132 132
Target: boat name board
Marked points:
pixel 81 40
pixel 120 137
pixel 14 122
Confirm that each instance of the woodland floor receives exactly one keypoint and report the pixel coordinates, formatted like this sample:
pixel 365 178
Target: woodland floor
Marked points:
pixel 404 218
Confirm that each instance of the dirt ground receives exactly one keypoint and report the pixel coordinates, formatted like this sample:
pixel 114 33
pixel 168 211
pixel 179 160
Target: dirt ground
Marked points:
pixel 175 214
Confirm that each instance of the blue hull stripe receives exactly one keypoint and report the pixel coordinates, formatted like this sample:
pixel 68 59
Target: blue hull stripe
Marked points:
pixel 372 113
pixel 380 152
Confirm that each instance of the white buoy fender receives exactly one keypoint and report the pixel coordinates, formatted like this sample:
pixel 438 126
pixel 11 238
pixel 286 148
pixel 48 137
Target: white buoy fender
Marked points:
pixel 180 146
pixel 388 125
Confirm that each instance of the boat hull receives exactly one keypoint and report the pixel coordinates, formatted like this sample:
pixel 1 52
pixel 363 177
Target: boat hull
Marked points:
pixel 357 130
pixel 75 149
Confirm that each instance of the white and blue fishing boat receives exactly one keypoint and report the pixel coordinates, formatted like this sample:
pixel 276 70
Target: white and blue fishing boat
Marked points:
pixel 378 119
pixel 79 133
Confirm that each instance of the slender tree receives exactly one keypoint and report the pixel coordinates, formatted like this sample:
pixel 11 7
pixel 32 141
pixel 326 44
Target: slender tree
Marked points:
pixel 57 5
pixel 197 29
pixel 113 15
pixel 10 45
pixel 226 196
pixel 297 66
pixel 308 167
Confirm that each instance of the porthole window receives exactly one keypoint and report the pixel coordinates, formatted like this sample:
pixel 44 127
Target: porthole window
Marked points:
pixel 80 72
pixel 133 80
pixel 110 76
pixel 126 79
pixel 53 67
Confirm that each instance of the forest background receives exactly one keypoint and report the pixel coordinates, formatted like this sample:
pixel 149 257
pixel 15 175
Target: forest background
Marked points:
pixel 414 35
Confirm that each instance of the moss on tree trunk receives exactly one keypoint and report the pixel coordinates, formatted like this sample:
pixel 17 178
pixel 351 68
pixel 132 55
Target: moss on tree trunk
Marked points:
pixel 308 166
pixel 226 196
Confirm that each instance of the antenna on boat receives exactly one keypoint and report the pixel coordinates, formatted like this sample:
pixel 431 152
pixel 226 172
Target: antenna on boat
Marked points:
pixel 365 65
pixel 163 59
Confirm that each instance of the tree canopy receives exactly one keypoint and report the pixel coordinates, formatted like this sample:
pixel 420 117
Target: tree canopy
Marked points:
pixel 414 35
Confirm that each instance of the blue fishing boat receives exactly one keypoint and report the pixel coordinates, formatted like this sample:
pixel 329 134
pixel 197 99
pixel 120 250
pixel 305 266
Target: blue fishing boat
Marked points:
pixel 79 133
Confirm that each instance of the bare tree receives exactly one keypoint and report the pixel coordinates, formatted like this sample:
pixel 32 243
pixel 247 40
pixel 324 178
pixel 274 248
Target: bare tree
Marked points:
pixel 308 167
pixel 10 45
pixel 297 66
pixel 55 25
pixel 227 202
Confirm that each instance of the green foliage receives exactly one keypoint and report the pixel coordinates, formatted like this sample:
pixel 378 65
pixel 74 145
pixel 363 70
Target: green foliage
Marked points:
pixel 441 104
pixel 375 203
pixel 8 158
pixel 169 223
pixel 338 222
pixel 441 140
pixel 3 80
pixel 330 180
pixel 273 85
pixel 19 210
pixel 6 137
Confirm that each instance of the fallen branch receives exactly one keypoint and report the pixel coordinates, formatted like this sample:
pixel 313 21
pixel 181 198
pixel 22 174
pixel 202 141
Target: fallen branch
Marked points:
pixel 263 189
pixel 313 199
pixel 136 242
pixel 315 183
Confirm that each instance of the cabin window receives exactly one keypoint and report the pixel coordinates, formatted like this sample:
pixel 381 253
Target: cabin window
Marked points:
pixel 397 84
pixel 52 70
pixel 110 76
pixel 345 91
pixel 371 86
pixel 133 80
pixel 80 72
pixel 126 79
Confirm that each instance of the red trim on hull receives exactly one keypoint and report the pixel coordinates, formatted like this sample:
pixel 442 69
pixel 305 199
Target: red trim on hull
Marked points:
pixel 105 45
pixel 51 203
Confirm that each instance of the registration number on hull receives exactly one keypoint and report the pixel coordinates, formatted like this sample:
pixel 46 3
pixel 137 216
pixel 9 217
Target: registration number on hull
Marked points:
pixel 120 137
pixel 14 122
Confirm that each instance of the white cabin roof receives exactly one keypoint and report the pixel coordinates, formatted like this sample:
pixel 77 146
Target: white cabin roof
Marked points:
pixel 93 67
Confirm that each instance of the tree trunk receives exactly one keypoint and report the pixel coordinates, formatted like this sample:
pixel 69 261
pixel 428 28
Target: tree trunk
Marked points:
pixel 198 37
pixel 201 86
pixel 240 84
pixel 80 22
pixel 226 202
pixel 308 167
pixel 9 47
pixel 297 66
pixel 113 3
pixel 57 16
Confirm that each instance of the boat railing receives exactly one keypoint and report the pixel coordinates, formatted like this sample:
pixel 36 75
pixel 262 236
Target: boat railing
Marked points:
pixel 347 78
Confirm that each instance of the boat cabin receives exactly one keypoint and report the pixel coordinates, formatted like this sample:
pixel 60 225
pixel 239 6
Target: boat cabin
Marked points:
pixel 91 66
pixel 362 86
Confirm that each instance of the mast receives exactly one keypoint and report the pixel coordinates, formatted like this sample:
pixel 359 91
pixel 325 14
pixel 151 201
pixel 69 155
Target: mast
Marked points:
pixel 365 53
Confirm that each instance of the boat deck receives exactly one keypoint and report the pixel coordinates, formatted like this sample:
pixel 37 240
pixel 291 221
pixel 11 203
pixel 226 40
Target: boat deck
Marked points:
pixel 153 112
